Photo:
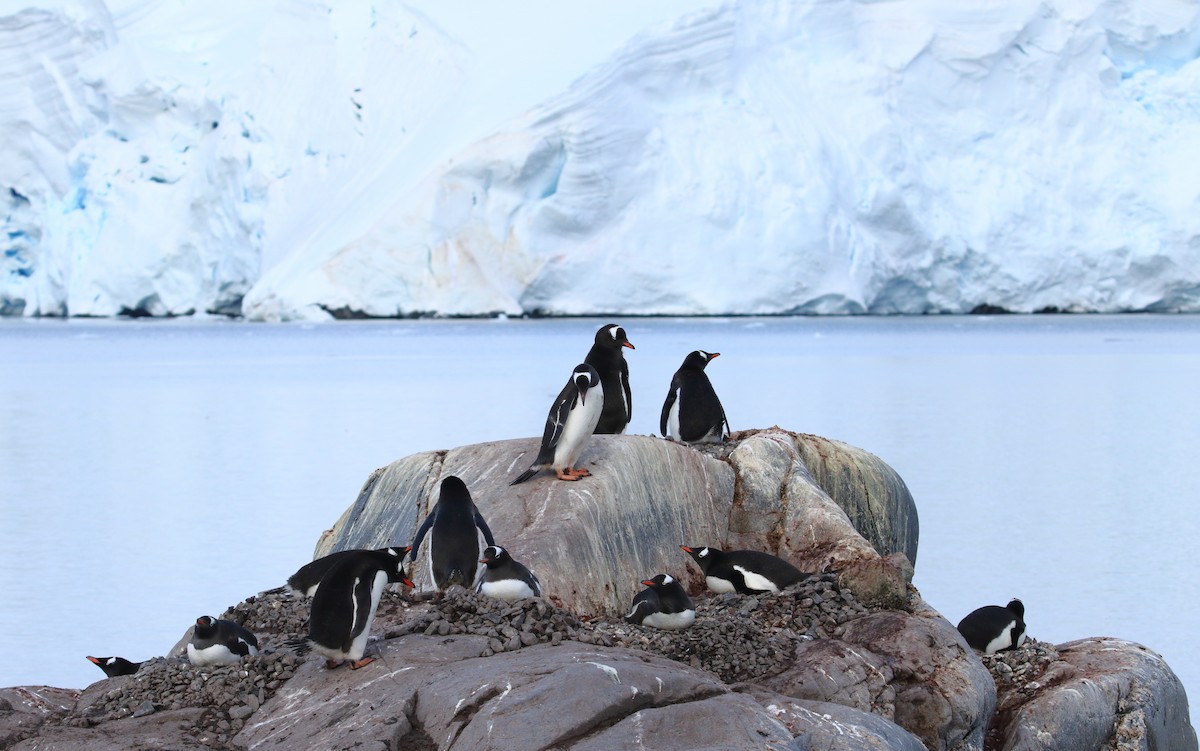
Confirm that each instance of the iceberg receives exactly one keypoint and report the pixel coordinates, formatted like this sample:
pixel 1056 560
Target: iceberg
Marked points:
pixel 755 157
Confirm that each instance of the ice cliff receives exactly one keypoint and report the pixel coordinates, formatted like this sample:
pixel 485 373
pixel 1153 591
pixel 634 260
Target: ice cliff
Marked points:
pixel 817 156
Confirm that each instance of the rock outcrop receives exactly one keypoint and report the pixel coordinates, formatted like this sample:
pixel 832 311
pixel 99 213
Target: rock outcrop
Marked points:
pixel 592 542
pixel 851 659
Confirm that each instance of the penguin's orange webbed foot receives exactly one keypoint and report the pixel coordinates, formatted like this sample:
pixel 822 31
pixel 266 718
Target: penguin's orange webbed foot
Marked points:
pixel 332 664
pixel 564 476
pixel 579 472
pixel 356 664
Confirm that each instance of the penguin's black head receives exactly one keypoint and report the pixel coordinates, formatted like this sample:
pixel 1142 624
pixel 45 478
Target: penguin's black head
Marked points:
pixel 454 489
pixel 699 359
pixel 206 625
pixel 703 556
pixel 494 555
pixel 612 335
pixel 659 581
pixel 114 666
pixel 585 377
pixel 1018 608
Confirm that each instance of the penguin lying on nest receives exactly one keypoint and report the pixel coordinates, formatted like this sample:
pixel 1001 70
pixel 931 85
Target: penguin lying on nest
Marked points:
pixel 114 666
pixel 505 578
pixel 747 572
pixel 663 604
pixel 221 642
pixel 991 628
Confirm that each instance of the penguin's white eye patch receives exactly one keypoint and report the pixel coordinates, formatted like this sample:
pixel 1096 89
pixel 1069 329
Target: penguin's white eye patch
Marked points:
pixel 667 579
pixel 703 552
pixel 617 332
pixel 702 353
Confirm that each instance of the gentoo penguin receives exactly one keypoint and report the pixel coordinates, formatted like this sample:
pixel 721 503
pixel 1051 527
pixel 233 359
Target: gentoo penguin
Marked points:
pixel 746 572
pixel 454 544
pixel 664 604
pixel 692 413
pixel 339 619
pixel 220 642
pixel 609 361
pixel 304 582
pixel 570 424
pixel 992 628
pixel 504 578
pixel 114 666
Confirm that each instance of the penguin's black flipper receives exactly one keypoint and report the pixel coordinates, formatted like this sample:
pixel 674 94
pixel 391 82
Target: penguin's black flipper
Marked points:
pixel 483 527
pixel 667 404
pixel 424 528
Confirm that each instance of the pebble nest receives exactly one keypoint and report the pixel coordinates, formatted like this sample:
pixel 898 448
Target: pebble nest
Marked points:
pixel 746 637
pixel 736 637
pixel 1017 673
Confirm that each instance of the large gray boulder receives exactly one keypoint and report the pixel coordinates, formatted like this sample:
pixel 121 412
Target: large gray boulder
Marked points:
pixel 438 691
pixel 591 542
pixel 1102 693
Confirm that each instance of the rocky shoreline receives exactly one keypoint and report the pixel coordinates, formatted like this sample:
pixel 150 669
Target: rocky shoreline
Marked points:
pixel 850 659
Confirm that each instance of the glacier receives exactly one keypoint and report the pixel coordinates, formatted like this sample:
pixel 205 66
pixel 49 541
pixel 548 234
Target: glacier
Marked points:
pixel 312 161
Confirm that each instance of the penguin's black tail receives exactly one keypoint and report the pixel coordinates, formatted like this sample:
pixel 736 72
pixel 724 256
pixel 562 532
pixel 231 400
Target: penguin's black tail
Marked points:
pixel 300 646
pixel 526 475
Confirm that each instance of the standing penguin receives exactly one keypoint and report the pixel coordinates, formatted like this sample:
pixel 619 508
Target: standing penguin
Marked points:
pixel 570 424
pixel 993 629
pixel 746 572
pixel 114 666
pixel 664 604
pixel 305 581
pixel 454 544
pixel 692 413
pixel 343 607
pixel 217 642
pixel 609 361
pixel 504 578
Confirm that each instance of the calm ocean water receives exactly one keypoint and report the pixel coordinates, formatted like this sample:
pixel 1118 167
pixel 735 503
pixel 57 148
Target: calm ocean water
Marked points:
pixel 152 472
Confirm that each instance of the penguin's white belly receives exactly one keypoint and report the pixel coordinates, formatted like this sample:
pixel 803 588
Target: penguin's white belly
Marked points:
pixel 507 589
pixel 673 417
pixel 756 581
pixel 670 620
pixel 216 654
pixel 581 423
pixel 1003 640
pixel 718 585
pixel 359 645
